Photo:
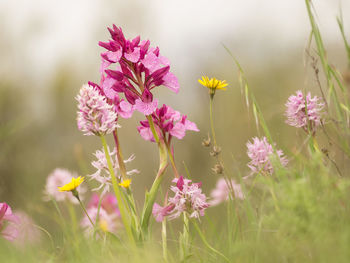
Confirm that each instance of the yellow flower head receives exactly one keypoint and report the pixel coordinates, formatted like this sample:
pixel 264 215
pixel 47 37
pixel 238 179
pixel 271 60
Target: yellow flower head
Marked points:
pixel 126 183
pixel 213 84
pixel 72 185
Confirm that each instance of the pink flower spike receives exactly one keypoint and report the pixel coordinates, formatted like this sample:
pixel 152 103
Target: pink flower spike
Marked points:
pixel 95 115
pixel 260 152
pixel 297 106
pixel 146 108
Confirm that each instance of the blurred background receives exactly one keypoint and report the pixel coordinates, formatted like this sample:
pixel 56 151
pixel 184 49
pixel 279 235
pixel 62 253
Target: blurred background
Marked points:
pixel 48 49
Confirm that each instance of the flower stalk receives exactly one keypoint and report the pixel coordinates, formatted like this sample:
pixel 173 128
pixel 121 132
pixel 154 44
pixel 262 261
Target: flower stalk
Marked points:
pixel 118 195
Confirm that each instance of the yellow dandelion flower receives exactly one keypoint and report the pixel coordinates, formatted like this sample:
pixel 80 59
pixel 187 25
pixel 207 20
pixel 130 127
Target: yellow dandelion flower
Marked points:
pixel 212 84
pixel 72 185
pixel 125 183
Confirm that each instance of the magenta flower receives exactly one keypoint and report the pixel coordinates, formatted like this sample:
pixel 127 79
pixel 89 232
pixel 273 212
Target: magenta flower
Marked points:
pixel 9 223
pixel 102 175
pixel 109 203
pixel 301 114
pixel 95 115
pixel 133 68
pixel 168 123
pixel 188 198
pixel 260 153
pixel 222 192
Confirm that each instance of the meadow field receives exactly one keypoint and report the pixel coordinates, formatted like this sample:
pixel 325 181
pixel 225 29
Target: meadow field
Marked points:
pixel 123 154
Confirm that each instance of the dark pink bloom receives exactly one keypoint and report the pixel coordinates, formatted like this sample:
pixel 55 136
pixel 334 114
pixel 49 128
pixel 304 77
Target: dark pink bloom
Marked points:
pixel 260 152
pixel 9 223
pixel 188 198
pixel 133 68
pixel 168 123
pixel 304 111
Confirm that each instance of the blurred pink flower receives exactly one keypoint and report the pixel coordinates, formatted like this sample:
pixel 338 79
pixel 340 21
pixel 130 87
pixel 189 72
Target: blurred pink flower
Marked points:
pixel 95 115
pixel 260 152
pixel 167 122
pixel 58 178
pixel 28 233
pixel 107 222
pixel 297 108
pixel 102 175
pixel 222 191
pixel 9 223
pixel 188 198
pixel 109 203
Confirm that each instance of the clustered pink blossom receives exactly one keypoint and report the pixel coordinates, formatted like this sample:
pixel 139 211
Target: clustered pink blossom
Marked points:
pixel 223 191
pixel 58 178
pixel 95 115
pixel 102 175
pixel 108 217
pixel 260 153
pixel 301 114
pixel 188 198
pixel 133 68
pixel 167 122
pixel 9 223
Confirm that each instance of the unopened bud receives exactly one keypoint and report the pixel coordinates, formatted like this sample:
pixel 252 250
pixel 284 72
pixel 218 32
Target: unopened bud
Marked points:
pixel 206 142
pixel 218 168
pixel 215 152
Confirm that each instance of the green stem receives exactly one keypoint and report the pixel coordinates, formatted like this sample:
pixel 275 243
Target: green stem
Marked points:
pixel 172 161
pixel 121 205
pixel 86 213
pixel 201 235
pixel 211 120
pixel 164 241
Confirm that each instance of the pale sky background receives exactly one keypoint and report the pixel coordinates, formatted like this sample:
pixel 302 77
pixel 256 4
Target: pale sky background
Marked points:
pixel 36 35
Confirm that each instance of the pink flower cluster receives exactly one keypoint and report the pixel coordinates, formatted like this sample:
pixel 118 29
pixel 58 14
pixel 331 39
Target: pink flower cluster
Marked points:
pixel 95 115
pixel 223 191
pixel 109 214
pixel 133 68
pixel 9 223
pixel 167 122
pixel 304 114
pixel 260 153
pixel 188 198
pixel 58 178
pixel 102 175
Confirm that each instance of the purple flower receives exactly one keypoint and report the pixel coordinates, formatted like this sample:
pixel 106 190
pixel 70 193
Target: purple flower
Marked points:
pixel 222 191
pixel 9 223
pixel 301 114
pixel 95 115
pixel 133 68
pixel 168 123
pixel 188 198
pixel 260 153
pixel 56 179
pixel 102 175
